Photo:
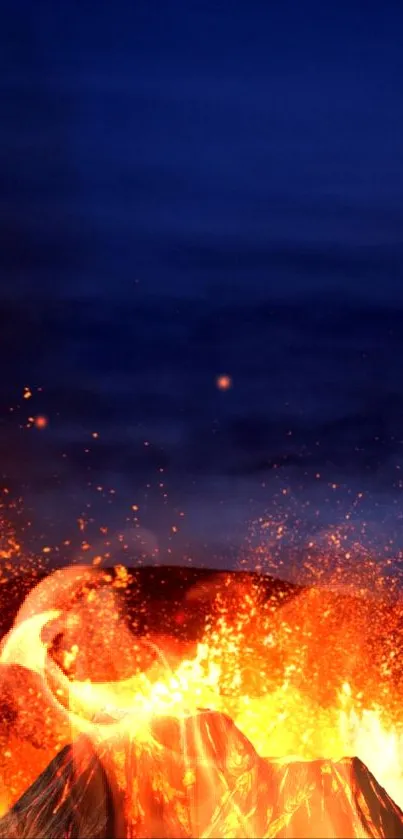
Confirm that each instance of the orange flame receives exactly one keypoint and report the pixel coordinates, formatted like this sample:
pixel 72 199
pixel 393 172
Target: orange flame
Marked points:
pixel 313 679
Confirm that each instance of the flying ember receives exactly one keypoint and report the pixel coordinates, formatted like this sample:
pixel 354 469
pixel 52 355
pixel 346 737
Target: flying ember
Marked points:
pixel 224 382
pixel 41 422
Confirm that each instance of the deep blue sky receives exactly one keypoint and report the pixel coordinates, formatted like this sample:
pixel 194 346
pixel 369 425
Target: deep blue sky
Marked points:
pixel 190 188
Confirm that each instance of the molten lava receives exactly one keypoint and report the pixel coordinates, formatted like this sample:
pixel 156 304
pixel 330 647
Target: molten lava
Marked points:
pixel 256 729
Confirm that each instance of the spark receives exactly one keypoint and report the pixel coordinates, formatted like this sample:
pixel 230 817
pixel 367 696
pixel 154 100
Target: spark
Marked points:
pixel 224 382
pixel 41 422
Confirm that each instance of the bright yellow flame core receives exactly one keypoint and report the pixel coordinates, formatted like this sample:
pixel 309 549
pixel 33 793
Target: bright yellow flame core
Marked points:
pixel 284 724
pixel 320 707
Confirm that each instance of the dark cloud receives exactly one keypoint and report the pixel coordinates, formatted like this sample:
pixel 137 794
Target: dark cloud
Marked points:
pixel 203 154
pixel 311 385
pixel 256 260
pixel 190 190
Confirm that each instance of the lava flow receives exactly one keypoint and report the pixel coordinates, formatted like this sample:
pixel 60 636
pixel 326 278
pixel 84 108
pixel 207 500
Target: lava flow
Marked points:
pixel 282 718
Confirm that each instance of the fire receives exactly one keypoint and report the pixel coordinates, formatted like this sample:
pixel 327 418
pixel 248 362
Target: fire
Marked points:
pixel 312 679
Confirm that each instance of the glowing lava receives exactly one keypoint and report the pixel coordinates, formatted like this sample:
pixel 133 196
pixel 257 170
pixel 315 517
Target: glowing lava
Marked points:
pixel 313 679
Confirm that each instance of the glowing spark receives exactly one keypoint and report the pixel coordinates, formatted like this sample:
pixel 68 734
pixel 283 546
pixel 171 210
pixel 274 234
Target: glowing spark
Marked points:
pixel 41 422
pixel 224 382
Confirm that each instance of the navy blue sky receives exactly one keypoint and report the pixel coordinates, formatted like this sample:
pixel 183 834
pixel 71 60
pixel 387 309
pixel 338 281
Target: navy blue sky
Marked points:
pixel 190 188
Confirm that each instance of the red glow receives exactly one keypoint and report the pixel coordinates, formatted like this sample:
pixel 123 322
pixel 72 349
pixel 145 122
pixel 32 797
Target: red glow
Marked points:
pixel 224 382
pixel 41 422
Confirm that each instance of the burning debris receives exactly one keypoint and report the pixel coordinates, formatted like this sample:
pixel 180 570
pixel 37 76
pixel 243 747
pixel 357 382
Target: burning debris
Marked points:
pixel 109 729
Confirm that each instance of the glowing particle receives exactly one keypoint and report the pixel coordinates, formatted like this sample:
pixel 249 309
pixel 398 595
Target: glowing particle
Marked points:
pixel 95 435
pixel 27 393
pixel 224 382
pixel 41 422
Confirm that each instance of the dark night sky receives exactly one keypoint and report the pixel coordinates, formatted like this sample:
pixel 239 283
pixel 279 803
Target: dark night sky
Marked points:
pixel 194 188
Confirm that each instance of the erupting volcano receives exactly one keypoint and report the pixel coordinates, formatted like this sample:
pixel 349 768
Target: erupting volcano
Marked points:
pixel 177 703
